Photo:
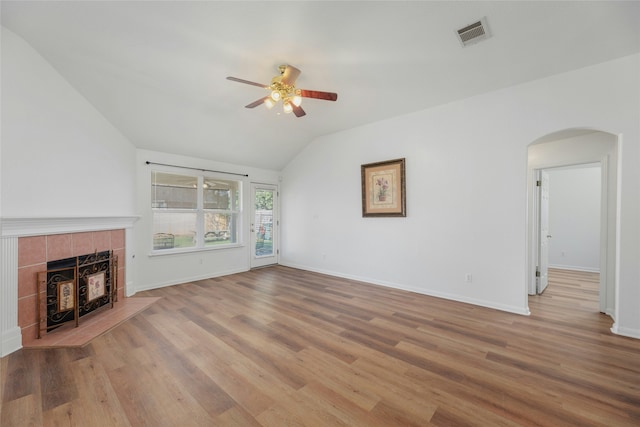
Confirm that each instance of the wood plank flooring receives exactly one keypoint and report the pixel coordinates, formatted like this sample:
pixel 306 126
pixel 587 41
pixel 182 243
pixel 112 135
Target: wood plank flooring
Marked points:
pixel 285 347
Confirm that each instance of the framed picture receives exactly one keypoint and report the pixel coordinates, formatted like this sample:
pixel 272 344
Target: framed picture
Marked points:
pixel 95 286
pixel 66 296
pixel 383 189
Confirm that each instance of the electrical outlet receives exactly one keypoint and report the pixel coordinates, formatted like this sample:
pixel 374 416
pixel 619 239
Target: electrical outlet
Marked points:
pixel 468 278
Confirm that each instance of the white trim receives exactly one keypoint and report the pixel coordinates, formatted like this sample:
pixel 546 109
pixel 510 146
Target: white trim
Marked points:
pixel 618 241
pixel 10 341
pixel 605 302
pixel 10 333
pixel 263 261
pixel 453 297
pixel 575 268
pixel 625 332
pixel 177 251
pixel 184 280
pixel 22 227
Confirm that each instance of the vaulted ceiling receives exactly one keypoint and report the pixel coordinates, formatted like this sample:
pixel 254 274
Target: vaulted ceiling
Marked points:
pixel 156 69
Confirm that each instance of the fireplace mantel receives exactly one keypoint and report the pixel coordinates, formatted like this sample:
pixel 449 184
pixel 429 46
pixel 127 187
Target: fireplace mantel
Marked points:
pixel 38 226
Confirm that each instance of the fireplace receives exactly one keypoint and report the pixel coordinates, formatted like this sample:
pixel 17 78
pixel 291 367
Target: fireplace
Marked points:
pixel 28 243
pixel 75 287
pixel 38 253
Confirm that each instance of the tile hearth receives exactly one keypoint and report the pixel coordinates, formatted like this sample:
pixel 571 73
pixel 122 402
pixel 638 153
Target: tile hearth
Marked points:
pixel 93 325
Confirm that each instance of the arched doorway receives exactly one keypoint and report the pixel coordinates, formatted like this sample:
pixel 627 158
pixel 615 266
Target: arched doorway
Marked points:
pixel 569 148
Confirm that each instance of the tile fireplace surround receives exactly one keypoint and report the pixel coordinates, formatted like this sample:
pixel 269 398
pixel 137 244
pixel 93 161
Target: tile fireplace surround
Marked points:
pixel 33 255
pixel 26 245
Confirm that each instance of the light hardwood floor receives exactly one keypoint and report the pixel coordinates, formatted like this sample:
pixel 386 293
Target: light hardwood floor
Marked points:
pixel 285 347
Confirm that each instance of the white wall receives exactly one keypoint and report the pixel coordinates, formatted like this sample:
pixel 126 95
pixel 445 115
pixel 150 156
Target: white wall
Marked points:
pixel 153 271
pixel 574 218
pixel 466 191
pixel 60 157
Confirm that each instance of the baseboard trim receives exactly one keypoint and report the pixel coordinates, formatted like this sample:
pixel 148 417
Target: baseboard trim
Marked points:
pixel 524 311
pixel 10 341
pixel 574 268
pixel 152 286
pixel 625 332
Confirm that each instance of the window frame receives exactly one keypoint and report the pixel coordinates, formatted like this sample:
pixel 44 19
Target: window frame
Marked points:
pixel 235 210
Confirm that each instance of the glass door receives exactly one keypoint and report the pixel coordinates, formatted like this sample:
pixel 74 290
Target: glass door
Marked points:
pixel 264 225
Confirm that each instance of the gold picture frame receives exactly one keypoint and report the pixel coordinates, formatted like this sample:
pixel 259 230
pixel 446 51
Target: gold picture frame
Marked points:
pixel 95 286
pixel 384 189
pixel 66 296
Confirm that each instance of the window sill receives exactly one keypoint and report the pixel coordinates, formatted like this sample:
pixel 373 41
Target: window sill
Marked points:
pixel 193 250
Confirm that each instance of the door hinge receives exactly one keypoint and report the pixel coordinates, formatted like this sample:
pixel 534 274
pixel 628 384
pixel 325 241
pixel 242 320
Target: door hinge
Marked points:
pixel 538 183
pixel 277 251
pixel 278 222
pixel 537 271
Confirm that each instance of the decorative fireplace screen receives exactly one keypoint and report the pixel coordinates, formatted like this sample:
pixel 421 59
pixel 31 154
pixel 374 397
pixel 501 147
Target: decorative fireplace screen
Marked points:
pixel 75 287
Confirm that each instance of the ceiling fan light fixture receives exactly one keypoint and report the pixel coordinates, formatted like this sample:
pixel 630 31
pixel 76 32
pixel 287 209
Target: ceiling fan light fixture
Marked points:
pixel 269 103
pixel 282 88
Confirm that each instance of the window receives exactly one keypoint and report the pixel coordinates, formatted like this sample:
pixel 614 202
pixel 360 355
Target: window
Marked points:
pixel 194 212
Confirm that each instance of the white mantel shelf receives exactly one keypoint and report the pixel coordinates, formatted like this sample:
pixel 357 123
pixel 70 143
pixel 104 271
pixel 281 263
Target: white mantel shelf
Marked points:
pixel 38 226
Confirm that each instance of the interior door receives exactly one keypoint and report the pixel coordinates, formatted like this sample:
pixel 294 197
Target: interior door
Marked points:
pixel 542 273
pixel 264 225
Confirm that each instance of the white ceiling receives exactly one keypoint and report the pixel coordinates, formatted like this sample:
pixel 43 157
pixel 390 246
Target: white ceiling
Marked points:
pixel 156 69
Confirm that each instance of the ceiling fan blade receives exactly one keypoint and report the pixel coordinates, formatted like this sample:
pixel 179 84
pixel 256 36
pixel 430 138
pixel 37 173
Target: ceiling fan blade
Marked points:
pixel 327 96
pixel 254 104
pixel 290 75
pixel 298 111
pixel 235 79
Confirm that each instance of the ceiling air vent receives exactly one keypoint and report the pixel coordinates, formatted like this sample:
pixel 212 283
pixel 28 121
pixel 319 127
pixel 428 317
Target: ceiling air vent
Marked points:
pixel 473 33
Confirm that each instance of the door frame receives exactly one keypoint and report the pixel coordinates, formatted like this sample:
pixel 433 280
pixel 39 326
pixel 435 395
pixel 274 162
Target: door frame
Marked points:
pixel 254 261
pixel 537 240
pixel 542 265
pixel 609 219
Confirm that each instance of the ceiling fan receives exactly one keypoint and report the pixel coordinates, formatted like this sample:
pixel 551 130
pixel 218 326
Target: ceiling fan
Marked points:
pixel 282 88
